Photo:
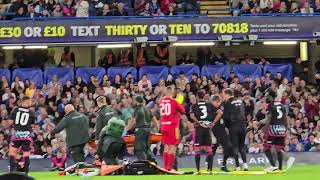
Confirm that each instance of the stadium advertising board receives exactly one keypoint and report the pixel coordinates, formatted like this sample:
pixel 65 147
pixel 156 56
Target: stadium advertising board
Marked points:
pixel 123 30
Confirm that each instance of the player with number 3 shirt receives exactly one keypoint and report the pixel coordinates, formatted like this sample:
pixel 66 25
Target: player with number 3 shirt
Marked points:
pixel 170 111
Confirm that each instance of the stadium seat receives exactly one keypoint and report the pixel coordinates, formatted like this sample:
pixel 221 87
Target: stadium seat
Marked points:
pixel 154 73
pixel 6 73
pixel 86 72
pixel 210 70
pixel 64 74
pixel 187 69
pixel 251 70
pixel 285 69
pixel 123 71
pixel 32 74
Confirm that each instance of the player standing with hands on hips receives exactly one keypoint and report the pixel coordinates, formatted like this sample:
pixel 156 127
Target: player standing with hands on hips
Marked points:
pixel 170 111
pixel 203 116
pixel 235 120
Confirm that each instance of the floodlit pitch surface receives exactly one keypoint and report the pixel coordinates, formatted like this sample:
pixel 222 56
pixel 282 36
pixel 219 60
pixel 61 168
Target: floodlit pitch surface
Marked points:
pixel 298 172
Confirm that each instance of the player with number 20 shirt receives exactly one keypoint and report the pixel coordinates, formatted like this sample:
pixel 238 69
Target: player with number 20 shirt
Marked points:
pixel 170 111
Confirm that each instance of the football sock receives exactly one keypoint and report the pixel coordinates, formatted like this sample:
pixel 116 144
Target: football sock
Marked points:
pixel 197 159
pixel 12 163
pixel 224 163
pixel 270 158
pixel 243 155
pixel 280 158
pixel 26 164
pixel 171 158
pixel 210 161
pixel 165 160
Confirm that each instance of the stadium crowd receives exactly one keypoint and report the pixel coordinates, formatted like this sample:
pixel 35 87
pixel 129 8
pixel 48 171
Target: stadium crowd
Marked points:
pixel 300 100
pixel 84 8
pixel 256 7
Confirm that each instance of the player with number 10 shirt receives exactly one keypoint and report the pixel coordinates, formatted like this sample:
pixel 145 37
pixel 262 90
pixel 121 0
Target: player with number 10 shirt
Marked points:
pixel 170 111
pixel 22 120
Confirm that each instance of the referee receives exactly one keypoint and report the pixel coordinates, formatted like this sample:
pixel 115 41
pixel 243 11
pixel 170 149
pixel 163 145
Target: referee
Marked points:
pixel 234 117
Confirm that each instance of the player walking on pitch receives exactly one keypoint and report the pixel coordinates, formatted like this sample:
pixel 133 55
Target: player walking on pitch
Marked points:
pixel 275 131
pixel 234 117
pixel 22 119
pixel 170 111
pixel 219 131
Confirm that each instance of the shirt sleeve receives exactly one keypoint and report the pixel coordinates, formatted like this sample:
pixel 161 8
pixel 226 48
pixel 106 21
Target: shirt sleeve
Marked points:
pixel 12 115
pixel 61 125
pixel 179 107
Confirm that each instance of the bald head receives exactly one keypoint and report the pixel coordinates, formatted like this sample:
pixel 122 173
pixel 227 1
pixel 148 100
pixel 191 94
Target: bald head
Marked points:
pixel 69 108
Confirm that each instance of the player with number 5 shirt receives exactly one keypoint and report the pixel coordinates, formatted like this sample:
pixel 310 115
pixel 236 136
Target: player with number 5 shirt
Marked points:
pixel 170 111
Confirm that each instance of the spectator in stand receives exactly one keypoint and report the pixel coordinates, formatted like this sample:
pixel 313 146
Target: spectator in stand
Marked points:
pixel 317 6
pixel 311 107
pixel 263 61
pixel 171 11
pixel 50 5
pixel 245 9
pixel 108 60
pixel 170 81
pixel 68 9
pixel 31 12
pixel 181 81
pixel 269 8
pixel 283 8
pixel 165 5
pixel 125 57
pixel 31 90
pixel 146 10
pixel 264 4
pixel 82 8
pixel 67 58
pixel 59 161
pixel 105 11
pixel 144 84
pixel 17 83
pixel 157 12
pixel 20 13
pixel 307 9
pixel 57 12
pixel 139 5
pixel 40 7
pixel 120 10
pixel 45 13
pixel 311 143
pixel 236 5
pixel 294 8
pixel 154 5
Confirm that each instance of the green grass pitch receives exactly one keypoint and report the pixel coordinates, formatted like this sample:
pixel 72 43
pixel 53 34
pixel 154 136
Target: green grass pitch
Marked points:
pixel 298 172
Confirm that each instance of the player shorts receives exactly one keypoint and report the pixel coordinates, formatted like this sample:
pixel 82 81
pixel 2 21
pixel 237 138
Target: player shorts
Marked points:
pixel 273 141
pixel 170 135
pixel 25 145
pixel 202 137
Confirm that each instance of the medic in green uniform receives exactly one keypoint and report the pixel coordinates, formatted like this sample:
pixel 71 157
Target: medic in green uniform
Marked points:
pixel 143 118
pixel 77 130
pixel 111 146
pixel 104 114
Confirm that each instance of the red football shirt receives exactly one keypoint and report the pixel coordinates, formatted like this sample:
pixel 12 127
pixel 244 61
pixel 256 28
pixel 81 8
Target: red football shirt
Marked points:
pixel 170 111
